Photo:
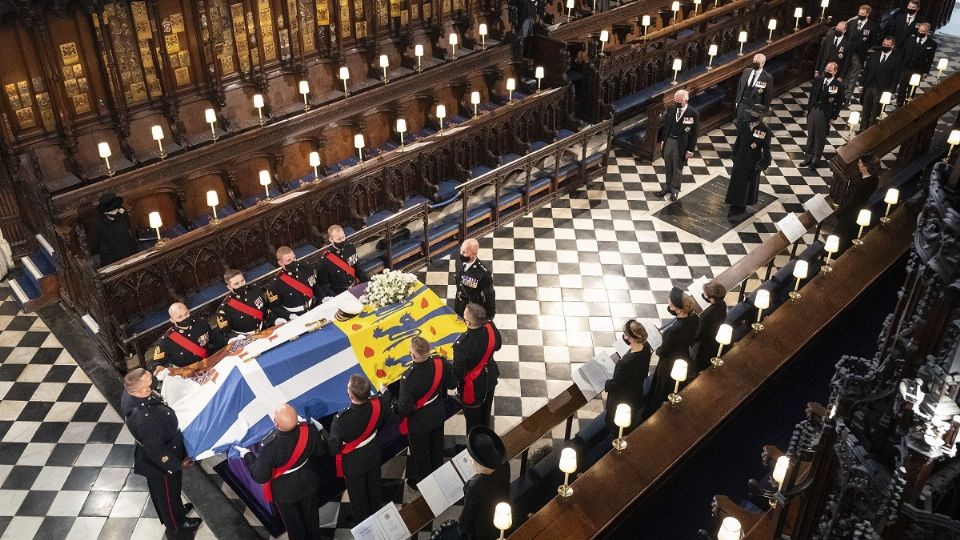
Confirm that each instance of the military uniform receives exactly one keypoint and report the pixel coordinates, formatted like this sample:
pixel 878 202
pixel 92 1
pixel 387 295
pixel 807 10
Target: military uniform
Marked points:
pixel 187 342
pixel 293 291
pixel 158 455
pixel 294 491
pixel 826 100
pixel 424 412
pixel 244 311
pixel 338 270
pixel 836 48
pixel 755 87
pixel 475 285
pixel 361 463
pixel 470 349
pixel 679 135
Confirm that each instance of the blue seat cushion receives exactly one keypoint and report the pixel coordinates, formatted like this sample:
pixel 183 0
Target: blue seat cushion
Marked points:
pixel 152 320
pixel 447 188
pixel 414 200
pixel 222 212
pixel 507 158
pixel 426 132
pixel 564 133
pixel 206 295
pixel 444 227
pixel 569 169
pixel 479 170
pixel 402 250
pixel 481 211
pixel 707 99
pixel 258 271
pixel 539 183
pixel 510 197
pixel 377 217
pixel 593 159
pixel 536 145
pixel 304 250
pixel 372 264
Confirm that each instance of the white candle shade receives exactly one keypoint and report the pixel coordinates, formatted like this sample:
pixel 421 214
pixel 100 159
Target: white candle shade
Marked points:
pixel 677 64
pixel 314 159
pixel 475 98
pixel 304 87
pixel 538 72
pixel 730 529
pixel 942 64
pixel 570 4
pixel 453 39
pixel 892 196
pixel 482 29
pixel 155 221
pixel 384 61
pixel 621 418
pixel 885 98
pixel 854 118
pixel 511 84
pixel 800 269
pixel 825 3
pixel 645 20
pixel 210 115
pixel 772 24
pixel 212 198
pixel 832 245
pixel 954 138
pixel 863 218
pixel 418 50
pixel 604 36
pixel 712 51
pixel 264 178
pixel 762 300
pixel 780 470
pixel 104 150
pixel 742 38
pixel 915 79
pixel 696 2
pixel 502 516
pixel 797 13
pixel 568 461
pixel 725 334
pixel 679 370
pixel 344 73
pixel 441 111
pixel 157 133
pixel 358 141
pixel 675 7
pixel 401 125
pixel 258 101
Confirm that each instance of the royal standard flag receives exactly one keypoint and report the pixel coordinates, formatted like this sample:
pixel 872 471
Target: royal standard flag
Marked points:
pixel 380 337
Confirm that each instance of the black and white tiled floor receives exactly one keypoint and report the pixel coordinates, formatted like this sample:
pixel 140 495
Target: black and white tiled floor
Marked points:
pixel 567 277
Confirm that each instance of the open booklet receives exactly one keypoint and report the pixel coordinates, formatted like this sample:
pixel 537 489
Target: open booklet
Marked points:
pixel 444 486
pixel 385 524
pixel 593 376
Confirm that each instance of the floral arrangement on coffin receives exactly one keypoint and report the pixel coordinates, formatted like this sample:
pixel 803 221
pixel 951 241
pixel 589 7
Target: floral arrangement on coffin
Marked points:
pixel 388 287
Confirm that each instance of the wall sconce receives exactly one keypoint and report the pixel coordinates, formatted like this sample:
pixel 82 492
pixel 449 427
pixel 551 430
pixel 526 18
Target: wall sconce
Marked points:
pixel 212 201
pixel 155 223
pixel 210 116
pixel 265 182
pixel 258 104
pixel 724 337
pixel 800 270
pixel 315 163
pixel 863 220
pixel 679 374
pixel 568 464
pixel 621 419
pixel 761 302
pixel 831 246
pixel 157 133
pixel 104 150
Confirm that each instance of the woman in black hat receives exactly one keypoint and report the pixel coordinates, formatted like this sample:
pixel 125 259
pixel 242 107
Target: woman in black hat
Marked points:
pixel 112 230
pixel 626 385
pixel 678 335
pixel 490 486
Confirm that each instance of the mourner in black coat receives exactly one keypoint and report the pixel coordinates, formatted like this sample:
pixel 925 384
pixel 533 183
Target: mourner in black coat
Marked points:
pixel 338 270
pixel 293 489
pixel 159 454
pixel 905 24
pixel 475 367
pixel 490 486
pixel 881 73
pixel 826 101
pixel 420 404
pixel 864 33
pixel 751 155
pixel 294 289
pixel 678 336
pixel 355 436
pixel 626 385
pixel 835 47
pixel 111 230
pixel 918 54
pixel 244 309
pixel 474 281
pixel 705 344
pixel 188 340
pixel 678 138
pixel 856 199
pixel 755 87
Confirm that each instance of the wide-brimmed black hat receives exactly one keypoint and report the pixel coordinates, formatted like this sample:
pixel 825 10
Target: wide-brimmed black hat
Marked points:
pixel 676 297
pixel 759 110
pixel 109 201
pixel 486 447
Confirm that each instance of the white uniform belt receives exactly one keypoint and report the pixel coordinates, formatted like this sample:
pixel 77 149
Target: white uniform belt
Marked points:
pixel 298 309
pixel 297 468
pixel 434 398
pixel 367 440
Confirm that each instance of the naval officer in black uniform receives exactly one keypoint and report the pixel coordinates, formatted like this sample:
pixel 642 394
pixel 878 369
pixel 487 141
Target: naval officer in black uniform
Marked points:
pixel 490 486
pixel 159 455
pixel 355 440
pixel 188 340
pixel 244 309
pixel 284 462
pixel 474 281
pixel 421 405
pixel 294 289
pixel 475 367
pixel 338 270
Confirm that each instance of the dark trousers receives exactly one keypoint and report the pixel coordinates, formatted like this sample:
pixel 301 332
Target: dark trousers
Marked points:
pixel 302 517
pixel 366 495
pixel 480 415
pixel 871 106
pixel 818 125
pixel 426 449
pixel 460 305
pixel 673 158
pixel 905 87
pixel 165 494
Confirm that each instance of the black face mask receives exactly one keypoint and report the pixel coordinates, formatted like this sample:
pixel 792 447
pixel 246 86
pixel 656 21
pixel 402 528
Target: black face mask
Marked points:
pixel 464 258
pixel 911 10
pixel 671 311
pixel 241 289
pixel 862 17
pixel 839 33
pixel 626 340
pixel 828 75
pixel 756 66
pixel 886 49
pixel 186 323
pixel 338 245
pixel 921 35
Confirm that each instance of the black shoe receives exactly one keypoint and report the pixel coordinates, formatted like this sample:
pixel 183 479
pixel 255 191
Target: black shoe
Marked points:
pixel 191 524
pixel 187 508
pixel 813 165
pixel 662 193
pixel 805 162
pixel 736 211
pixel 673 197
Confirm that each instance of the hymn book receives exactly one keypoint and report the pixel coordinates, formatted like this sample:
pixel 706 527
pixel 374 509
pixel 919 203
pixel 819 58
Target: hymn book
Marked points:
pixel 385 524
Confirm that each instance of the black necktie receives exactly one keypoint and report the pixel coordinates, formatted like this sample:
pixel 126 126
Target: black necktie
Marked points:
pixel 751 81
pixel 883 58
pixel 836 42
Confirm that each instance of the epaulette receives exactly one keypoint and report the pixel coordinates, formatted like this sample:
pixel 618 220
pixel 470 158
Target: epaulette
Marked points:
pixel 272 296
pixel 482 266
pixel 221 322
pixel 158 353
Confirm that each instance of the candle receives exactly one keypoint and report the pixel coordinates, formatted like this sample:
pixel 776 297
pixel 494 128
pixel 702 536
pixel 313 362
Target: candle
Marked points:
pixel 345 76
pixel 475 101
pixel 482 30
pixel 265 182
pixel 418 52
pixel 305 90
pixel 212 198
pixel 511 86
pixel 315 162
pixel 453 44
pixel 211 117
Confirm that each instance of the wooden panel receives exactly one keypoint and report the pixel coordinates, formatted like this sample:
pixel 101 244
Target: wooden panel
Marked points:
pixel 247 176
pixel 195 195
pixel 338 144
pixel 377 128
pixel 295 160
pixel 163 202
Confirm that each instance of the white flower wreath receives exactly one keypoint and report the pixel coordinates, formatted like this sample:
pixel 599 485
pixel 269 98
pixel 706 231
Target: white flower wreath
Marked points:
pixel 389 287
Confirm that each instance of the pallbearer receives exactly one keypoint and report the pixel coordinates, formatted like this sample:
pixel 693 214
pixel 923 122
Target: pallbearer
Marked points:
pixel 475 367
pixel 338 269
pixel 355 441
pixel 244 309
pixel 474 281
pixel 294 290
pixel 188 340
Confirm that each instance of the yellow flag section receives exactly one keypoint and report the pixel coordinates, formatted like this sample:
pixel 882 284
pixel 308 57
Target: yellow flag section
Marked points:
pixel 381 337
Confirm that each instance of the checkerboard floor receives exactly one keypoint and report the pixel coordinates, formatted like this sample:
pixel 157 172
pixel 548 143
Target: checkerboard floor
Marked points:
pixel 567 277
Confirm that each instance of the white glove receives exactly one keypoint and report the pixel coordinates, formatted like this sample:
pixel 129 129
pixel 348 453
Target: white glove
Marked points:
pixel 316 423
pixel 162 374
pixel 241 450
pixel 326 299
pixel 293 316
pixel 234 338
pixel 281 320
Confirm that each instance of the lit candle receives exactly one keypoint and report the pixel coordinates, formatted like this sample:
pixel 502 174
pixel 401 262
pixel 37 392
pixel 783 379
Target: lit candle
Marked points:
pixel 502 518
pixel 742 38
pixel 418 52
pixel 538 74
pixel 475 100
pixel 155 223
pixel 724 337
pixel 358 144
pixel 645 22
pixel 797 14
pixel 401 129
pixel 568 465
pixel 453 43
pixel 482 30
pixel 345 76
pixel 315 163
pixel 761 301
pixel 891 198
pixel 621 419
pixel 679 374
pixel 384 63
pixel 212 201
pixel 800 270
pixel 441 114
pixel 823 8
pixel 511 86
pixel 211 117
pixel 831 246
pixel 941 65
pixel 771 26
pixel 258 104
pixel 157 133
pixel 677 64
pixel 104 150
pixel 265 182
pixel 730 529
pixel 711 52
pixel 305 90
pixel 863 220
